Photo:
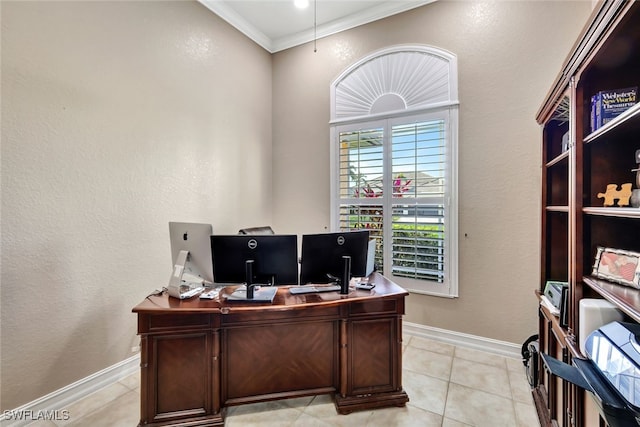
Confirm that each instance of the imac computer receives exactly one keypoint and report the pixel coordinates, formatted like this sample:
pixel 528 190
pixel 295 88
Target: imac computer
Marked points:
pixel 266 260
pixel 325 257
pixel 190 256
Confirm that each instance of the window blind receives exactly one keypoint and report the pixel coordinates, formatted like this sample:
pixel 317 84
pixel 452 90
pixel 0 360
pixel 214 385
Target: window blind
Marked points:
pixel 418 182
pixel 414 212
pixel 362 185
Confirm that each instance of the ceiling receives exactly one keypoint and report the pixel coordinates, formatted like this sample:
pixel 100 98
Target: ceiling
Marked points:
pixel 277 24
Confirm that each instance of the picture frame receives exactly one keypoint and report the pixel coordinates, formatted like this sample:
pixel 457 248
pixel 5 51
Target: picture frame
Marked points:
pixel 618 266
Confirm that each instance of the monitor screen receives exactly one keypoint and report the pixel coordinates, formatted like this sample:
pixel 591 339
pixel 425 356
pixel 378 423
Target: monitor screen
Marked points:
pixel 322 254
pixel 194 238
pixel 275 258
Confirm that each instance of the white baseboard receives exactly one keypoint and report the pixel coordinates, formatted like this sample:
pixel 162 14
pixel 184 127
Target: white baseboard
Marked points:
pixel 63 397
pixel 490 345
pixel 47 405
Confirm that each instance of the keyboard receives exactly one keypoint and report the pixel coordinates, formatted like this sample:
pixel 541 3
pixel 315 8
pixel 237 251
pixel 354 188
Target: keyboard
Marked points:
pixel 191 293
pixel 307 289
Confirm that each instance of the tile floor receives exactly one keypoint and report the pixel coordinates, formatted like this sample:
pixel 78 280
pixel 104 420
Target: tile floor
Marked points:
pixel 448 386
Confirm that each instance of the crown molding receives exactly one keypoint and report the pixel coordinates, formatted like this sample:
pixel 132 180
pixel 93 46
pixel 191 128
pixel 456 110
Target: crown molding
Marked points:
pixel 275 45
pixel 370 15
pixel 237 21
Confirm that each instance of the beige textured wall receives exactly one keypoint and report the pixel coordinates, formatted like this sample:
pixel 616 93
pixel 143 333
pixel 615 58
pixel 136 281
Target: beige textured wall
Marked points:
pixel 508 55
pixel 117 117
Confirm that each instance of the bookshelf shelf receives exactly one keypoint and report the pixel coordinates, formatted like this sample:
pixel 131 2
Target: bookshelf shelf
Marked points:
pixel 564 156
pixel 626 298
pixel 630 118
pixel 615 212
pixel 564 209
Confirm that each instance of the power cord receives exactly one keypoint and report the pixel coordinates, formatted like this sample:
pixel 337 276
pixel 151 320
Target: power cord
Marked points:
pixel 157 292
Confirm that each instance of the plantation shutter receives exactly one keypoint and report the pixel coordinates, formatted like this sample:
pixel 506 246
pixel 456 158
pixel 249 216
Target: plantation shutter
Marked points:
pixel 418 200
pixel 361 183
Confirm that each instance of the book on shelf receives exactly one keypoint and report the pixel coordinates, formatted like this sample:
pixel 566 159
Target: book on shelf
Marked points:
pixel 565 142
pixel 606 105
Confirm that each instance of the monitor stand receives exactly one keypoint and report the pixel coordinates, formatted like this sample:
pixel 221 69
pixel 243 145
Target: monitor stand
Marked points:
pixel 263 294
pixel 251 291
pixel 346 275
pixel 184 274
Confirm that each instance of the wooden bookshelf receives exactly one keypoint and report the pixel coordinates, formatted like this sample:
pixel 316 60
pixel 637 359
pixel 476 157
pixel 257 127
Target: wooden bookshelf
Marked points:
pixel 605 57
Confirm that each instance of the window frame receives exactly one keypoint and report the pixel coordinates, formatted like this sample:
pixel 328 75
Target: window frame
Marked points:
pixel 449 288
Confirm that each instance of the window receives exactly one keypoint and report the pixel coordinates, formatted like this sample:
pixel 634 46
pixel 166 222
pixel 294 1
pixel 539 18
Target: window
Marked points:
pixel 394 163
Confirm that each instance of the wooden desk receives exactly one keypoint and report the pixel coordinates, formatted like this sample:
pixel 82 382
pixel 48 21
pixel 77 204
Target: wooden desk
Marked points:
pixel 200 356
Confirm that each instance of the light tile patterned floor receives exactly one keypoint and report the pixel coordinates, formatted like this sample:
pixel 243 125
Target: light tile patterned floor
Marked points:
pixel 448 386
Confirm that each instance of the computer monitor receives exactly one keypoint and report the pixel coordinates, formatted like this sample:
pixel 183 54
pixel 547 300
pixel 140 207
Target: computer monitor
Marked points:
pixel 195 239
pixel 322 255
pixel 275 258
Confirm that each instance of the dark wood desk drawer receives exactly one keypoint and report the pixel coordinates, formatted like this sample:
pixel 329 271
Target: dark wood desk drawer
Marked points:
pixel 167 322
pixel 242 318
pixel 375 307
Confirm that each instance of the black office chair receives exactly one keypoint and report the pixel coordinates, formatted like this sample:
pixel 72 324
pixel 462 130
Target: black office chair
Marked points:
pixel 257 230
